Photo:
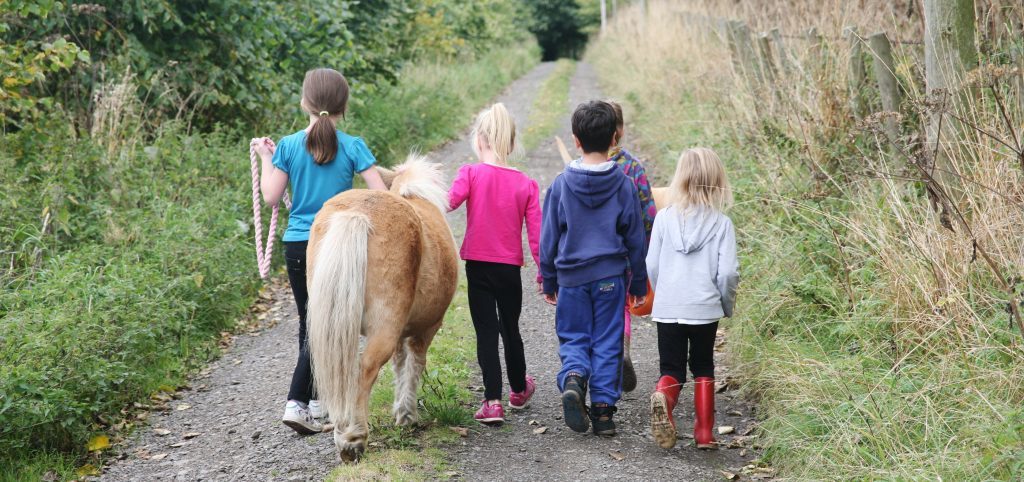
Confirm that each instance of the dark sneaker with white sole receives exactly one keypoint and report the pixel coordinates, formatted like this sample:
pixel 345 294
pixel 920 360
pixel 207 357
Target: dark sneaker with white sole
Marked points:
pixel 574 408
pixel 601 415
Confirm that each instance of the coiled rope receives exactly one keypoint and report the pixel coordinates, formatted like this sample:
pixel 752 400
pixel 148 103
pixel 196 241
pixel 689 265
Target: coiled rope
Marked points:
pixel 263 257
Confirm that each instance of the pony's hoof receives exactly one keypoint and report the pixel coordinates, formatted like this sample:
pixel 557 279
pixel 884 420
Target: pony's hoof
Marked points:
pixel 351 453
pixel 407 419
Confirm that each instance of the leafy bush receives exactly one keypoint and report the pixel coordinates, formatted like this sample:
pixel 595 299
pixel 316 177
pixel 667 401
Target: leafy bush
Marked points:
pixel 234 61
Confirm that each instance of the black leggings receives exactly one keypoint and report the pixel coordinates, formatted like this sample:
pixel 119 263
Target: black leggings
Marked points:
pixel 302 379
pixel 495 301
pixel 673 339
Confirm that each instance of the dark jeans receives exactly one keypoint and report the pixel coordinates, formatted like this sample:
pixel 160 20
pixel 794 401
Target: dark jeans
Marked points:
pixel 673 339
pixel 302 379
pixel 495 301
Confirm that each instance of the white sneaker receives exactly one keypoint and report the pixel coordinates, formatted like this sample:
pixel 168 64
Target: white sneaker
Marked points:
pixel 297 416
pixel 317 410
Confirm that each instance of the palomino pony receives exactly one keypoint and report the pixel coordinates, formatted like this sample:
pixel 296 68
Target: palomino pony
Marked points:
pixel 384 265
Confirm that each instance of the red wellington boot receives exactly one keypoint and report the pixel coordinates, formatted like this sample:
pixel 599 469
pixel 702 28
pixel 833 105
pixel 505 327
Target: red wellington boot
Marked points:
pixel 704 406
pixel 663 401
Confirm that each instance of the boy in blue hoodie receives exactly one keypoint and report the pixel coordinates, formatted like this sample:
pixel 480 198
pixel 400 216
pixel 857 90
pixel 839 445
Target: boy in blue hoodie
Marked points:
pixel 592 246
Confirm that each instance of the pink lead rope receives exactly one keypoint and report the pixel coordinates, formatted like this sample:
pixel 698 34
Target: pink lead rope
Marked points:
pixel 263 257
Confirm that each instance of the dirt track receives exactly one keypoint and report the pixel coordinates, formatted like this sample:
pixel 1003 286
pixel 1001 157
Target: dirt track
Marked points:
pixel 235 407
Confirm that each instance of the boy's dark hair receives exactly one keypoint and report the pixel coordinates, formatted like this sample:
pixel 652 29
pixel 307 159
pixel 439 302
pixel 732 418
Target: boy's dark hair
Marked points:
pixel 594 124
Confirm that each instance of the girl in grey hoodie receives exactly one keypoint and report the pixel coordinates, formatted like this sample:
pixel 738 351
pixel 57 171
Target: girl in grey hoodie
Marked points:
pixel 692 267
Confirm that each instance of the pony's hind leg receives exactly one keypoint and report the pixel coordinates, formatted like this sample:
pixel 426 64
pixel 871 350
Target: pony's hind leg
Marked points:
pixel 415 359
pixel 405 366
pixel 351 439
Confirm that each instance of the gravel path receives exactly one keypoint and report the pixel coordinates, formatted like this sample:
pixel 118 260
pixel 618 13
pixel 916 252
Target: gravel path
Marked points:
pixel 516 451
pixel 225 425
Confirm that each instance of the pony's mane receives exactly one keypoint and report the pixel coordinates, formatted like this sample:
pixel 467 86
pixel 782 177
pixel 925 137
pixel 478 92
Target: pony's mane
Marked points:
pixel 419 178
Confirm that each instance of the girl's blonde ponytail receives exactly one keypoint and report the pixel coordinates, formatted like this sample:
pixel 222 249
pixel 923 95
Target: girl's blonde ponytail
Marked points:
pixel 497 129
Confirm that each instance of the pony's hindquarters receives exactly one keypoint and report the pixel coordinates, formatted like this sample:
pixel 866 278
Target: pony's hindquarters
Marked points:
pixel 335 312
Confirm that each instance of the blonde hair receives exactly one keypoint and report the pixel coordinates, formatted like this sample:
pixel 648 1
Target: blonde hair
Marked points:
pixel 496 127
pixel 700 181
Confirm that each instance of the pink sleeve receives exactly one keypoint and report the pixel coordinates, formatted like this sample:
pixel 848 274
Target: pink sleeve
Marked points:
pixel 460 189
pixel 533 223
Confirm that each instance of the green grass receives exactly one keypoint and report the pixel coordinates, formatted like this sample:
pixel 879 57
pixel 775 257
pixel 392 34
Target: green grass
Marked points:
pixel 549 106
pixel 397 453
pixel 124 257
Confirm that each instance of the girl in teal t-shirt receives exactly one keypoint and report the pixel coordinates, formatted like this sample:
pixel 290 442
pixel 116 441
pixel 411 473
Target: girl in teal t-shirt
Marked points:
pixel 319 162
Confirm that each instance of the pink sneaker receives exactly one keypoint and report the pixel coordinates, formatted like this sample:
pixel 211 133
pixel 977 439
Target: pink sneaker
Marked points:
pixel 520 400
pixel 490 413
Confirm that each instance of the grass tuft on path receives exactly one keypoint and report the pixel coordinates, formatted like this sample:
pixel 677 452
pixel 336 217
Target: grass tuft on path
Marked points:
pixel 548 106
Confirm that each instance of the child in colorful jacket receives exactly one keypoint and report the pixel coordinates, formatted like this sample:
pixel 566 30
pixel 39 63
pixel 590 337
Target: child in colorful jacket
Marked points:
pixel 634 170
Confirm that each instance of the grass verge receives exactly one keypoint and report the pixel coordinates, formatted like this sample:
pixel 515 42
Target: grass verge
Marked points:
pixel 878 348
pixel 126 255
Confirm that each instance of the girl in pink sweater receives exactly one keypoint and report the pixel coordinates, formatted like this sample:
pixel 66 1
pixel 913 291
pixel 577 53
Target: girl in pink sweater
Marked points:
pixel 499 199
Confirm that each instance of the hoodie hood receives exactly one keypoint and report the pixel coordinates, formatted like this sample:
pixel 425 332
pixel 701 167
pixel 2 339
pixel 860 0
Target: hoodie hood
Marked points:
pixel 695 228
pixel 593 188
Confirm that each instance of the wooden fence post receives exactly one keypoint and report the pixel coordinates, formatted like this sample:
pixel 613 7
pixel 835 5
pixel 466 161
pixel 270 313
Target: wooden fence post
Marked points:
pixel 604 16
pixel 885 77
pixel 857 74
pixel 780 49
pixel 743 51
pixel 949 52
pixel 764 49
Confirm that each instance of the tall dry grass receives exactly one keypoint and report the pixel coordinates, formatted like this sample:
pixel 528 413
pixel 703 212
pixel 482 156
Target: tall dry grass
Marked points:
pixel 874 323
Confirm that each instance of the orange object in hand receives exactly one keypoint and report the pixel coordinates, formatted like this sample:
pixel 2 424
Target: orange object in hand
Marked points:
pixel 644 309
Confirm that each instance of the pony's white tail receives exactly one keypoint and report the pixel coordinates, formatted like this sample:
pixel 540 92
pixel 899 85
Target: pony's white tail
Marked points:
pixel 335 312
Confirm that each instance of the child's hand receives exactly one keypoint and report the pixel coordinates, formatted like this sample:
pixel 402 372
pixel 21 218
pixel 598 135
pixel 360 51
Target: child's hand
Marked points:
pixel 637 301
pixel 265 147
pixel 551 298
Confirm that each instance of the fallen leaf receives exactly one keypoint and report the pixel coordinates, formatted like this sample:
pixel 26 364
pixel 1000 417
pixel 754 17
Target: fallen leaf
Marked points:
pixel 729 475
pixel 748 430
pixel 161 431
pixel 735 413
pixel 540 430
pixel 726 429
pixel 183 406
pixel 87 470
pixel 158 457
pixel 451 473
pixel 534 422
pixel 190 435
pixel 97 443
pixel 743 453
pixel 615 454
pixel 179 444
pixel 462 431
